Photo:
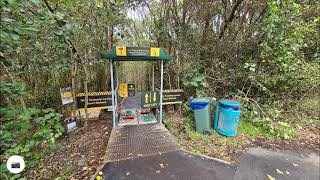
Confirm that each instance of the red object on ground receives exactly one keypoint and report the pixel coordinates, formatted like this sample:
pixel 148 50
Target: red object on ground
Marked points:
pixel 127 118
pixel 145 112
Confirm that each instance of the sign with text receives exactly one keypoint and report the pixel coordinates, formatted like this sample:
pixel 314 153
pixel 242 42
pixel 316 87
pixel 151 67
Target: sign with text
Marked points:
pixel 137 51
pixel 123 90
pixel 172 96
pixel 97 100
pixel 150 99
pixel 131 90
pixel 70 123
pixel 66 95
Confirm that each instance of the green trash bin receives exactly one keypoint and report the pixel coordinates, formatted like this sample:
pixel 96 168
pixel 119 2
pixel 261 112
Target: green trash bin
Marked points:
pixel 201 109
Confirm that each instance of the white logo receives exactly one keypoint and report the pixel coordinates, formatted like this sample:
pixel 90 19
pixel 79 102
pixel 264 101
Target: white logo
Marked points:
pixel 15 164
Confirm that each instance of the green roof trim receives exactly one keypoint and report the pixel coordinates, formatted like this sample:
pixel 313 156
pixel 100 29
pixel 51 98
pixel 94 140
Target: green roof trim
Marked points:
pixel 136 54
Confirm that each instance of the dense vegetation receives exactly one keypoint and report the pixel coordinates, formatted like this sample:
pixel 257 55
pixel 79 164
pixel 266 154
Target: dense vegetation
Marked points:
pixel 262 52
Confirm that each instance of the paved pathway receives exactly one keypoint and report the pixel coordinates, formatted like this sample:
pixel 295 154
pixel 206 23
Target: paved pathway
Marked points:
pixel 257 163
pixel 149 152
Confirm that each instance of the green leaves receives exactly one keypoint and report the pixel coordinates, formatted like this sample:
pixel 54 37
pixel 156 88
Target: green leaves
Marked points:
pixel 250 66
pixel 283 36
pixel 58 31
pixel 27 132
pixel 35 1
pixel 195 80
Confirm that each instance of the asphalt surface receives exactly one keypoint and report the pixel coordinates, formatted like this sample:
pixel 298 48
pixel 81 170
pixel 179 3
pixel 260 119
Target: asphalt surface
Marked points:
pixel 174 165
pixel 258 163
pixel 149 152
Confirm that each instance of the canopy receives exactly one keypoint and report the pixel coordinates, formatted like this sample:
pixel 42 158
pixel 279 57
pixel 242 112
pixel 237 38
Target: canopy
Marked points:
pixel 123 53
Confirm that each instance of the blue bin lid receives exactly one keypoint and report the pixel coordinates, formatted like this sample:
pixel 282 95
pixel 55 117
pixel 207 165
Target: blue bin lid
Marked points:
pixel 199 103
pixel 227 102
pixel 204 100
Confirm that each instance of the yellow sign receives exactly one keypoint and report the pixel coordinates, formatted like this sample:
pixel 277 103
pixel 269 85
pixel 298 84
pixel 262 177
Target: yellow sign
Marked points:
pixel 155 52
pixel 123 88
pixel 121 50
pixel 66 95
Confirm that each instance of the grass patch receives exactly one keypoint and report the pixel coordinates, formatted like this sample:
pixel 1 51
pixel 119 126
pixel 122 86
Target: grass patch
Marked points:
pixel 227 141
pixel 66 169
pixel 252 129
pixel 195 136
pixel 200 150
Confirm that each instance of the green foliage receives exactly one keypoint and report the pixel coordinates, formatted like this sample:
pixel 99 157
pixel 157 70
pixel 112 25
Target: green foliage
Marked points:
pixel 26 132
pixel 195 80
pixel 283 36
pixel 187 125
pixel 169 124
pixel 195 136
pixel 254 125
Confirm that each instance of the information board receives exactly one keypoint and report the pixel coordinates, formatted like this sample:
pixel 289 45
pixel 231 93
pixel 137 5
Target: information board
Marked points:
pixel 66 95
pixel 137 51
pixel 123 90
pixel 96 100
pixel 131 90
pixel 150 99
pixel 172 96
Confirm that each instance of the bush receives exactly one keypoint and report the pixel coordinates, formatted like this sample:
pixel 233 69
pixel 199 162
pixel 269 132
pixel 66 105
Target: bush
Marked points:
pixel 26 132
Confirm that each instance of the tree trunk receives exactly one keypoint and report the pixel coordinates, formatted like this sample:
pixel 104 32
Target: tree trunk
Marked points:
pixel 86 93
pixel 73 83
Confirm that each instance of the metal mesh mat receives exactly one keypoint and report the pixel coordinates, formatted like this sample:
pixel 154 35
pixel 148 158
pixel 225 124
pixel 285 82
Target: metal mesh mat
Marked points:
pixel 128 142
pixel 172 165
pixel 132 102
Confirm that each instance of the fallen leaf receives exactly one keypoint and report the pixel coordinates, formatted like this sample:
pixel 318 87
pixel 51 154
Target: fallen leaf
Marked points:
pixel 128 173
pixel 91 162
pixel 270 177
pixel 288 172
pixel 161 165
pixel 278 171
pixel 295 165
pixel 158 171
pixel 84 168
pixel 139 155
pixel 129 154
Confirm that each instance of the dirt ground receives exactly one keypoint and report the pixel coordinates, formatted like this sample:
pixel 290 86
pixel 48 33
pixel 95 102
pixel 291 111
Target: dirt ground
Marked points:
pixel 79 155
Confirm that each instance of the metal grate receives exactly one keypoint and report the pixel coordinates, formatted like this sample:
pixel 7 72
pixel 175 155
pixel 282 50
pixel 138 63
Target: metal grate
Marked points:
pixel 127 142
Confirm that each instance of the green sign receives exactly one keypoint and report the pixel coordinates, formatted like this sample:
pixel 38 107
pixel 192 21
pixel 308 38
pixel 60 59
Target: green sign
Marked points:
pixel 150 99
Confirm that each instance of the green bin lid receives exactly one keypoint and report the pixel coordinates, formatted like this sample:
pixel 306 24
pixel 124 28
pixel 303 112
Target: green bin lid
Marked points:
pixel 229 102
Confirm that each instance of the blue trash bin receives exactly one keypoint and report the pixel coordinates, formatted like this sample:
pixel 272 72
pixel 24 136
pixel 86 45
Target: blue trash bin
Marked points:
pixel 227 117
